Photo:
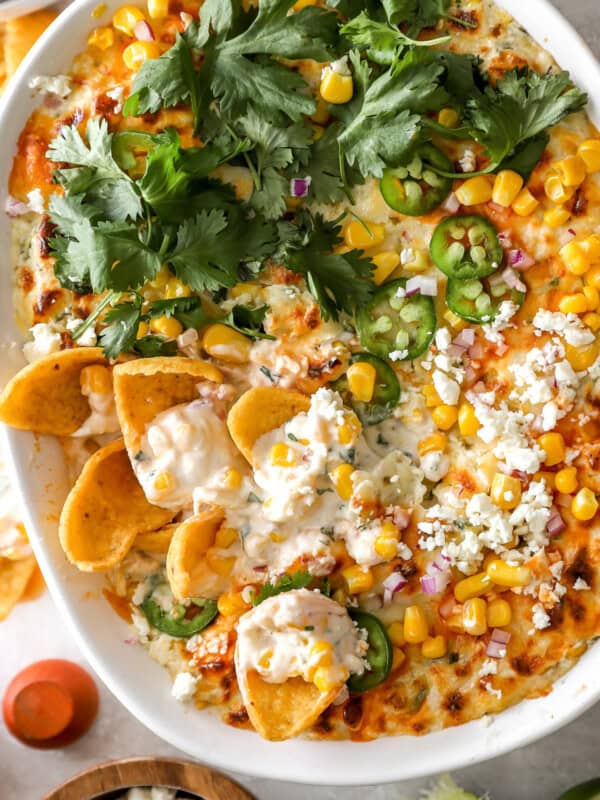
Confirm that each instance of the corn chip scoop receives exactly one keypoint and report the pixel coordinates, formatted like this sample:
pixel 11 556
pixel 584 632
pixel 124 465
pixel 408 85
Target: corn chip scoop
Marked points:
pixel 105 510
pixel 46 397
pixel 188 570
pixel 147 386
pixel 14 578
pixel 281 711
pixel 259 411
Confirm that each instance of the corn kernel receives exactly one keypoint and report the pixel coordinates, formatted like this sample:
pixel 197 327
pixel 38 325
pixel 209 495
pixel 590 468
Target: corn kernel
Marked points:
pixel 474 191
pixel 164 482
pixel 434 647
pixel 434 443
pixel 592 320
pixel 175 288
pixel 398 658
pixel 454 321
pixel 566 480
pixel 350 430
pixel 455 622
pixel 582 357
pixel 474 616
pixel 416 628
pixel 102 38
pixel 326 679
pixel 126 18
pixel 507 574
pixel 282 455
pixel 574 304
pixel 575 258
pixel 557 216
pixel 166 326
pixel 221 565
pixel 444 416
pixel 468 424
pixel 322 653
pixel 499 613
pixel 358 579
pixel 449 118
pixel 226 344
pixel 584 505
pixel 232 604
pixel 419 262
pixel 96 379
pixel 553 446
pixel 432 398
pixel 386 546
pixel 548 477
pixel 473 586
pixel 593 297
pixel 225 537
pixel 507 186
pixel 525 203
pixel 589 151
pixel 264 662
pixel 233 479
pixel 361 380
pixel 336 88
pixel 341 477
pixel 505 491
pixel 555 189
pixel 157 9
pixel 359 236
pixel 385 263
pixel 571 170
pixel 136 53
pixel 396 633
pixel 591 247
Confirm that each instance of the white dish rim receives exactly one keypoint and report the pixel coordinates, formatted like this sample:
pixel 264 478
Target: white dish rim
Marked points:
pixel 323 763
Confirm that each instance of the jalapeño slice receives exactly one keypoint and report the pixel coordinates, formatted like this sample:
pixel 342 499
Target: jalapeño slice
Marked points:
pixel 379 655
pixel 177 624
pixel 466 246
pixel 478 300
pixel 385 396
pixel 394 325
pixel 415 188
pixel 585 791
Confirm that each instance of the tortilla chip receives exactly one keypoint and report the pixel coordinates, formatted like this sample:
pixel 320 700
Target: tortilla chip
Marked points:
pixel 105 510
pixel 187 570
pixel 21 34
pixel 156 541
pixel 281 711
pixel 14 577
pixel 147 386
pixel 46 396
pixel 259 411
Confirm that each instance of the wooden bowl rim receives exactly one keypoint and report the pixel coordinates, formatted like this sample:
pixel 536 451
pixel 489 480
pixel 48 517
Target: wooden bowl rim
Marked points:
pixel 125 773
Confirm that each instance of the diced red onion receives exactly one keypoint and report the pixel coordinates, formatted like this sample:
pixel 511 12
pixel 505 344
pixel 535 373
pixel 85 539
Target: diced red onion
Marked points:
pixel 394 582
pixel 504 237
pixel 470 375
pixel 143 32
pixel 564 500
pixel 434 583
pixel 451 204
pixel 441 563
pixel 387 597
pixel 401 518
pixel 517 473
pixel 501 348
pixel 425 284
pixel 466 338
pixel 571 231
pixel 479 387
pixel 512 280
pixel 476 351
pixel 556 523
pixel 299 186
pixel 500 636
pixel 520 259
pixel 455 351
pixel 495 649
pixel 449 607
pixel 15 208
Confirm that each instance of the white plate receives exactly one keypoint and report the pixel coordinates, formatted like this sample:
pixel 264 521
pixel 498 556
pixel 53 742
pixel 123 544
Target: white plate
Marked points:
pixel 140 684
pixel 9 9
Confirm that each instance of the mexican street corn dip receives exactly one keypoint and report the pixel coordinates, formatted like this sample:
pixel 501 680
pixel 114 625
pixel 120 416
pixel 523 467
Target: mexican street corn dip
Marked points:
pixel 313 299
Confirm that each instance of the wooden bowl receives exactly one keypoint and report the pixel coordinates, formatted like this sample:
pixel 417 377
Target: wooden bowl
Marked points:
pixel 112 779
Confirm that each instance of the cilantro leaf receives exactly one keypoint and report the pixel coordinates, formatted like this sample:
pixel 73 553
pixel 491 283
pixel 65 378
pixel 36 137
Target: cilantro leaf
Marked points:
pixel 95 174
pixel 247 320
pixel 286 583
pixel 164 82
pixel 383 120
pixel 323 167
pixel 521 106
pixel 122 324
pixel 527 155
pixel 151 346
pixel 381 40
pixel 188 310
pixel 339 282
pixel 417 13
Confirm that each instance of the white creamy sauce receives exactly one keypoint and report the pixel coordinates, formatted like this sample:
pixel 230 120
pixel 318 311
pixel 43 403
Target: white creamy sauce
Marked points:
pixel 277 638
pixel 183 447
pixel 45 340
pixel 103 414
